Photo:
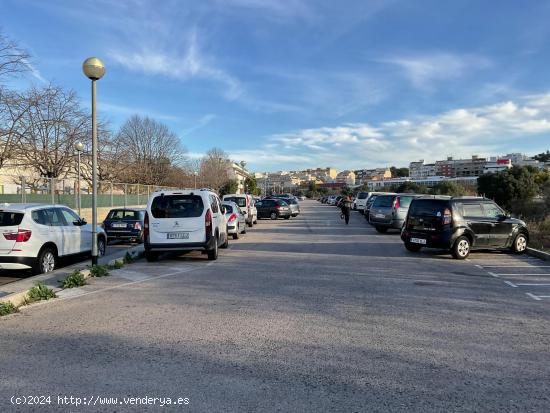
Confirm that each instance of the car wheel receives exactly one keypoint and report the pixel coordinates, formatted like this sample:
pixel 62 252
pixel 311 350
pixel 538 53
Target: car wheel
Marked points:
pixel 151 256
pixel 213 253
pixel 287 217
pixel 461 248
pixel 273 215
pixel 520 244
pixel 226 243
pixel 249 223
pixel 412 247
pixel 140 238
pixel 46 261
pixel 381 230
pixel 101 246
pixel 243 231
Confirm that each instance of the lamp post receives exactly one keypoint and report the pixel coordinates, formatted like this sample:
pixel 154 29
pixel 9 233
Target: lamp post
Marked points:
pixel 79 146
pixel 195 173
pixel 94 69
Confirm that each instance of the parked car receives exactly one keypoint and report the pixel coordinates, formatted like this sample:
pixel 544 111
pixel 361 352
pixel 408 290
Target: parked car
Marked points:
pixel 390 211
pixel 273 208
pixel 370 200
pixel 247 205
pixel 37 236
pixel 294 206
pixel 184 220
pixel 361 201
pixel 460 225
pixel 125 224
pixel 302 198
pixel 236 221
pixel 331 200
pixel 337 200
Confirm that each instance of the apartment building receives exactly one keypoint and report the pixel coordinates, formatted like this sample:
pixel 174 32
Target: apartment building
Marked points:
pixel 362 176
pixel 456 168
pixel 421 170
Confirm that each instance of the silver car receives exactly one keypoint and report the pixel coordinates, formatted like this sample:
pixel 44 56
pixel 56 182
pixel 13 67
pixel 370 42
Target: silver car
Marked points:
pixel 294 206
pixel 390 211
pixel 236 221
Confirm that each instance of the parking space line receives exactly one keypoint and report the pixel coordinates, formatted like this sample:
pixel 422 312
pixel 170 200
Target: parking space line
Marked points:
pixel 514 266
pixel 511 284
pixel 513 275
pixel 493 274
pixel 534 297
pixel 535 285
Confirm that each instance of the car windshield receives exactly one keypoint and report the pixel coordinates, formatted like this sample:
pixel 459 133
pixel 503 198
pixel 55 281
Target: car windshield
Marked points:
pixel 384 201
pixel 177 206
pixel 428 207
pixel 405 201
pixel 124 215
pixel 240 201
pixel 228 208
pixel 10 219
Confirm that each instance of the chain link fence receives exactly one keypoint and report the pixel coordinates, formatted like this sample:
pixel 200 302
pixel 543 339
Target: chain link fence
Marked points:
pixel 73 193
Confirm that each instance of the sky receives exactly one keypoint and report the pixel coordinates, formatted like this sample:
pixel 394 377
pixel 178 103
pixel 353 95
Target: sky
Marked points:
pixel 294 84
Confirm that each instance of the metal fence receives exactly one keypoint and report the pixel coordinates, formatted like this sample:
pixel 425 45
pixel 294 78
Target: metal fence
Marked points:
pixel 72 193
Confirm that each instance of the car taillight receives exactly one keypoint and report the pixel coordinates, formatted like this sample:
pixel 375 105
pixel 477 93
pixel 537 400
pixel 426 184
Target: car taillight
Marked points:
pixel 208 223
pixel 137 226
pixel 146 225
pixel 232 218
pixel 396 203
pixel 277 206
pixel 22 235
pixel 446 216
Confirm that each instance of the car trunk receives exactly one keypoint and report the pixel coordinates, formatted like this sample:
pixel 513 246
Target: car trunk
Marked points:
pixel 381 211
pixel 9 224
pixel 177 218
pixel 426 215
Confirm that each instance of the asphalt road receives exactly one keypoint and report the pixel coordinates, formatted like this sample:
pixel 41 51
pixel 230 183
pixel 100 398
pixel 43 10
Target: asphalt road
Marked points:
pixel 305 315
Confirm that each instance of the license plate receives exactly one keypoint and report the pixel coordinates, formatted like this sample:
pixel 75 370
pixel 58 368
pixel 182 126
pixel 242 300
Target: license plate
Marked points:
pixel 118 225
pixel 418 241
pixel 178 235
pixel 379 215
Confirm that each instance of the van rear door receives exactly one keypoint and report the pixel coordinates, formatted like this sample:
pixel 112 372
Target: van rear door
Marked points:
pixel 177 218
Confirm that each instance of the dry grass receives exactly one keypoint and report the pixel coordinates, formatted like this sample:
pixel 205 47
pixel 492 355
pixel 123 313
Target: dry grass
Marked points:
pixel 539 234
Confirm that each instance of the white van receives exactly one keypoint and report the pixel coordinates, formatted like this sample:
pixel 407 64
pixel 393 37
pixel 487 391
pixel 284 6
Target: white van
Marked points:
pixel 247 205
pixel 361 201
pixel 184 220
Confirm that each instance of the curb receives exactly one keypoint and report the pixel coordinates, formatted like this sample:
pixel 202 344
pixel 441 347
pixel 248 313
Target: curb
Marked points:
pixel 539 254
pixel 52 280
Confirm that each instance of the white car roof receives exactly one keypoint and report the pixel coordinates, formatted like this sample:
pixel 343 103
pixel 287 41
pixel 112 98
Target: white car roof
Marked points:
pixel 21 207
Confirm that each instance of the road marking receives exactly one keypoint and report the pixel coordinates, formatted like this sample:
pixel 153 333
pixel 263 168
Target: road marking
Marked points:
pixel 511 284
pixel 533 296
pixel 513 266
pixel 535 285
pixel 511 275
pixel 493 274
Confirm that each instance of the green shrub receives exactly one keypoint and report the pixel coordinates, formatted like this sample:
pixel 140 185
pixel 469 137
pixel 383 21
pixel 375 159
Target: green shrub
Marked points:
pixel 7 308
pixel 40 292
pixel 99 271
pixel 74 279
pixel 116 266
pixel 128 259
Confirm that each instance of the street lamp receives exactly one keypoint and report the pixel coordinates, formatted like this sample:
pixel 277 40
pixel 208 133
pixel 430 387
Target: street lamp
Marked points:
pixel 79 146
pixel 195 173
pixel 94 69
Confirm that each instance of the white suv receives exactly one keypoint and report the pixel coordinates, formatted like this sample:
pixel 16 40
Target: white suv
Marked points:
pixel 184 220
pixel 37 235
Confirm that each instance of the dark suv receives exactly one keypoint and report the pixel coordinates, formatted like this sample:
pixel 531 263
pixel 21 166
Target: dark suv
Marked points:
pixel 460 224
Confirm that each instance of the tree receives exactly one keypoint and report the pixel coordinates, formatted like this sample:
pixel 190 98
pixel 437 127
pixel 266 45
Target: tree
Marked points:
pixel 399 172
pixel 251 185
pixel 448 188
pixel 50 127
pixel 229 187
pixel 214 169
pixel 410 187
pixel 149 150
pixel 543 157
pixel 508 187
pixel 12 109
pixel 13 59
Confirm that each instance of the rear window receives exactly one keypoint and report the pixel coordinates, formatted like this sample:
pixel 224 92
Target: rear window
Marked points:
pixel 281 202
pixel 10 219
pixel 124 215
pixel 428 207
pixel 228 208
pixel 241 202
pixel 362 195
pixel 290 201
pixel 405 201
pixel 177 206
pixel 383 201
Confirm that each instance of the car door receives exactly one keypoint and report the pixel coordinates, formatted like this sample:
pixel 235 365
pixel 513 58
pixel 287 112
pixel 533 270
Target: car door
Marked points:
pixel 55 219
pixel 78 238
pixel 260 208
pixel 216 213
pixel 501 227
pixel 477 221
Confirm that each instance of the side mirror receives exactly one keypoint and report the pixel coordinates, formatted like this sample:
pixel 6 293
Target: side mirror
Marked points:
pixel 503 217
pixel 79 222
pixel 83 221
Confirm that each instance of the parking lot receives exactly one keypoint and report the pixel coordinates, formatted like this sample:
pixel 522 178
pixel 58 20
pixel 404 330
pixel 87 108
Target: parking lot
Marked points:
pixel 300 315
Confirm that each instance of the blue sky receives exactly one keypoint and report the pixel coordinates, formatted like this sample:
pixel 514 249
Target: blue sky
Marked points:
pixel 295 84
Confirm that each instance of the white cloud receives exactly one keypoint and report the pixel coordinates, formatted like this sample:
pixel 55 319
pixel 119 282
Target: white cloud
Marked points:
pixel 461 132
pixel 424 69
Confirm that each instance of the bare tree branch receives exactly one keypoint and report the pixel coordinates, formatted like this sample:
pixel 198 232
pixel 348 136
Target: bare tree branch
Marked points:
pixel 13 59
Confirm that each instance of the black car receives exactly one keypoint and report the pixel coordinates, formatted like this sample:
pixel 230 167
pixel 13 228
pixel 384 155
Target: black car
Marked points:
pixel 461 224
pixel 125 224
pixel 273 208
